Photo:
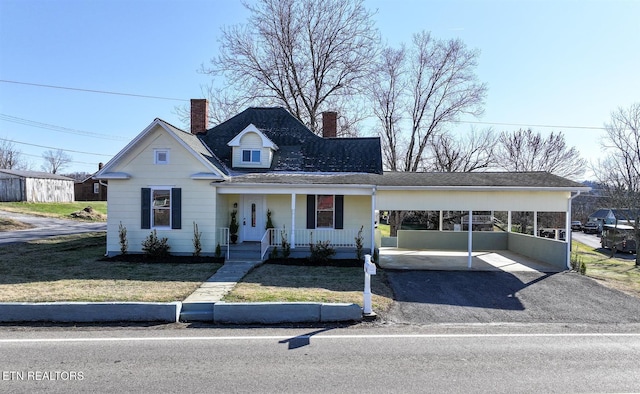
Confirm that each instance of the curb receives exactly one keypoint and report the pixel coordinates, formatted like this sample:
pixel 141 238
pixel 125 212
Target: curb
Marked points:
pixel 172 312
pixel 89 312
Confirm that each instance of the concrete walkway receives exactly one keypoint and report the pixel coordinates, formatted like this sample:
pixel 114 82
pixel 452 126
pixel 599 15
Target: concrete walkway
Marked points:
pixel 222 282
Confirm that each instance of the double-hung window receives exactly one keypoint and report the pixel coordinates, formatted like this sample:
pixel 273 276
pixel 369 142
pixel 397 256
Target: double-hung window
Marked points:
pixel 161 207
pixel 324 211
pixel 250 156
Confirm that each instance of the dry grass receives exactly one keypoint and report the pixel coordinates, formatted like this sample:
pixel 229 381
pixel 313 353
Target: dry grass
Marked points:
pixel 7 224
pixel 619 272
pixel 287 283
pixel 68 268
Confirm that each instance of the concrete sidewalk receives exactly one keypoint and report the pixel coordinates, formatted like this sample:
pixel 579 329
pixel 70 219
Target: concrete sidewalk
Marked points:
pixel 222 282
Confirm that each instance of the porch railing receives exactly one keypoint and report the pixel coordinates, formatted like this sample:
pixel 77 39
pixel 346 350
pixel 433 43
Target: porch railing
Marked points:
pixel 336 238
pixel 223 239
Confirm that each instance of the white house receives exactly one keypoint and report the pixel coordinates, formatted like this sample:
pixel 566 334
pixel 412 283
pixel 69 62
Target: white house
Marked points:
pixel 326 188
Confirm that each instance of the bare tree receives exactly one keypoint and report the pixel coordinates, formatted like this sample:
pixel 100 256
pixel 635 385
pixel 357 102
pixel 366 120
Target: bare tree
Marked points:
pixel 300 55
pixel 471 152
pixel 443 86
pixel 420 91
pixel 55 161
pixel 10 157
pixel 388 90
pixel 620 171
pixel 524 150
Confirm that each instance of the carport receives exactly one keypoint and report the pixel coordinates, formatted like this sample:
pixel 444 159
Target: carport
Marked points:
pixel 470 194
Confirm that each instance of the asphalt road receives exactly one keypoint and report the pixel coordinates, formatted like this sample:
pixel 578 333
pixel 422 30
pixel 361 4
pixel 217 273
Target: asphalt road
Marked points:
pixel 315 360
pixel 45 228
pixel 428 297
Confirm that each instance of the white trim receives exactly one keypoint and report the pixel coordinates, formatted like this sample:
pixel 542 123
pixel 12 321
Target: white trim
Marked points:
pixel 101 174
pixel 113 175
pixel 266 142
pixel 485 188
pixel 156 154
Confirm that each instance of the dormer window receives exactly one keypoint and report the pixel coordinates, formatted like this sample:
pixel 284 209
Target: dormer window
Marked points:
pixel 252 149
pixel 250 156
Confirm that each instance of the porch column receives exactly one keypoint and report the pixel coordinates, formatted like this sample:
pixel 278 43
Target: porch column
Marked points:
pixel 440 223
pixel 535 223
pixel 509 221
pixel 470 241
pixel 292 243
pixel 373 220
pixel 567 229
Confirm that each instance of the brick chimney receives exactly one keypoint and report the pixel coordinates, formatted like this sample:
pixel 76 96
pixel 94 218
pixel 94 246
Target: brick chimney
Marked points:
pixel 199 116
pixel 329 124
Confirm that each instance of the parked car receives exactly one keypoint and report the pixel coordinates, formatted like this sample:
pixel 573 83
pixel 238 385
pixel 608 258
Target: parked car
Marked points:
pixel 576 225
pixel 591 228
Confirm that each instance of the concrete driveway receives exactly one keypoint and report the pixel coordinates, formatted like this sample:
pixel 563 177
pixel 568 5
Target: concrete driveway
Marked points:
pixel 428 297
pixel 45 228
pixel 500 260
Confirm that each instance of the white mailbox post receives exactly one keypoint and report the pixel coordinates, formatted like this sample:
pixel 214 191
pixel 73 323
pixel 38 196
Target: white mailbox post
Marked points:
pixel 369 269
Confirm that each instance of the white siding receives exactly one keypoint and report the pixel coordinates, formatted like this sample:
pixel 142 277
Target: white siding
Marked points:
pixel 198 196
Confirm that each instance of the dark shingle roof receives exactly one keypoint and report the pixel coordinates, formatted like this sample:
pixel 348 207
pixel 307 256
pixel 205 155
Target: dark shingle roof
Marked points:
pixel 299 148
pixel 418 180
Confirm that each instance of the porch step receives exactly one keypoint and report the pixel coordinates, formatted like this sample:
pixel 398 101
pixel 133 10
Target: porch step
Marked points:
pixel 244 251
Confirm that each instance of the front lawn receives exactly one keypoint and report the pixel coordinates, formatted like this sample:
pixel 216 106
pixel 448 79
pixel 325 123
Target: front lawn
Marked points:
pixel 619 272
pixel 289 283
pixel 69 268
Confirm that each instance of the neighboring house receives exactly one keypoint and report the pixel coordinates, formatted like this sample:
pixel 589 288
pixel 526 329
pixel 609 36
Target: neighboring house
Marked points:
pixel 610 216
pixel 91 189
pixel 316 188
pixel 34 186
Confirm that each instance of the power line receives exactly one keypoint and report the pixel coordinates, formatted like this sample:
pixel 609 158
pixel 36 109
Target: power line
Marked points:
pixel 529 125
pixel 33 123
pixel 71 161
pixel 51 147
pixel 91 90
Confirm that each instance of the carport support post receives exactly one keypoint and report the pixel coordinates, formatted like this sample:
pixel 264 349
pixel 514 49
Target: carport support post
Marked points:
pixel 292 242
pixel 470 241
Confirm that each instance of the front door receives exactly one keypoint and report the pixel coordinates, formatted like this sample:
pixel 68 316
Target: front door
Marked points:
pixel 253 218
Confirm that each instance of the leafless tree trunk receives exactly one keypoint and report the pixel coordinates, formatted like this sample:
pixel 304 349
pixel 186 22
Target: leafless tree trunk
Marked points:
pixel 620 171
pixel 525 150
pixel 55 161
pixel 443 87
pixel 472 152
pixel 422 88
pixel 388 91
pixel 301 55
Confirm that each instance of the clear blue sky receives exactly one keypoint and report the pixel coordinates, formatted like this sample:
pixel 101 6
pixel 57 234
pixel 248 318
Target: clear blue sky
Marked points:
pixel 555 63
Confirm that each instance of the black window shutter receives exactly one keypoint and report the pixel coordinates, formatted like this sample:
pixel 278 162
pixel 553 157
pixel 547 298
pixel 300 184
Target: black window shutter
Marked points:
pixel 145 214
pixel 339 206
pixel 176 208
pixel 311 211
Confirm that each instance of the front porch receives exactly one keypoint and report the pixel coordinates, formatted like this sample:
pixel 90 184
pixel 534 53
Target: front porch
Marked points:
pixel 345 242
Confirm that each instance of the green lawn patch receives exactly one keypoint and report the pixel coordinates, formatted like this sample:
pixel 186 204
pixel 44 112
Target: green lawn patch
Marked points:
pixel 58 210
pixel 69 268
pixel 619 272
